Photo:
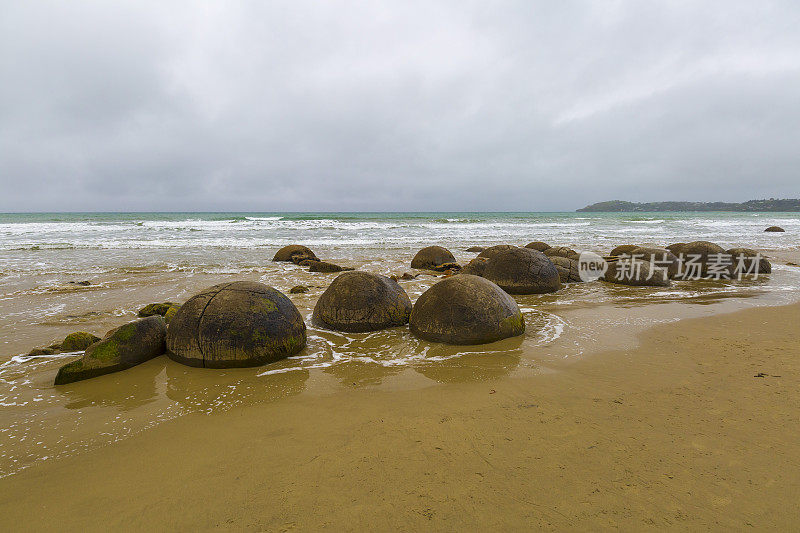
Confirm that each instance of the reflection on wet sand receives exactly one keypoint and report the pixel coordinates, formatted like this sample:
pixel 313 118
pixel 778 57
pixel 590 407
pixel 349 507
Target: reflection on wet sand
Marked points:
pixel 124 390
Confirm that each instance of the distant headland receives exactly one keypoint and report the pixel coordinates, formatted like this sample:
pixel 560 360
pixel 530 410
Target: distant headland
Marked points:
pixel 618 206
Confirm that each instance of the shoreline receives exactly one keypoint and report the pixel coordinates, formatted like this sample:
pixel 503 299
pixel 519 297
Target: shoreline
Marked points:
pixel 676 432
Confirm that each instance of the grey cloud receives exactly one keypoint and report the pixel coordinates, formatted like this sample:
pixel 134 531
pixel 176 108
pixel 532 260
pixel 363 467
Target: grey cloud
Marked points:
pixel 395 106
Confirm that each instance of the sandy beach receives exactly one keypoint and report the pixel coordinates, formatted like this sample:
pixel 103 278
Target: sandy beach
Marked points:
pixel 693 428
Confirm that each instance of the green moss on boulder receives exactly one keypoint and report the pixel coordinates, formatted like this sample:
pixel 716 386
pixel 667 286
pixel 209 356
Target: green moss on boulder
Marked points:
pixel 80 340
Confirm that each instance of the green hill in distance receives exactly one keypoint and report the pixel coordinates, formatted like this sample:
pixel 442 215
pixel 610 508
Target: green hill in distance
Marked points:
pixel 620 206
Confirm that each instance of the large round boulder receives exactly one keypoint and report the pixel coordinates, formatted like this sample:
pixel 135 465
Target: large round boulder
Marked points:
pixel 494 250
pixel 568 270
pixel 635 272
pixel 562 251
pixel 522 271
pixel 748 261
pixel 359 301
pixel 475 267
pixel 660 257
pixel 432 258
pixel 676 249
pixel 466 309
pixel 235 325
pixel 538 245
pixel 701 259
pixel 622 249
pixel 294 253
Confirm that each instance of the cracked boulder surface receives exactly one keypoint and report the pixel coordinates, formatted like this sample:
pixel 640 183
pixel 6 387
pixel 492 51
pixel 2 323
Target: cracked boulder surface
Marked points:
pixel 522 271
pixel 294 252
pixel 123 347
pixel 567 269
pixel 432 258
pixel 236 324
pixel 466 309
pixel 357 302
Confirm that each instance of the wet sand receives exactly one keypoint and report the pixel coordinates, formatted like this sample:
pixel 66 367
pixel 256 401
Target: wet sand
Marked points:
pixel 696 427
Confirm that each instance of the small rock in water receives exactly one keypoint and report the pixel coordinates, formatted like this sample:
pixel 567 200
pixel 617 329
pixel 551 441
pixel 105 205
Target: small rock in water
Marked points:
pixel 476 249
pixel 432 258
pixel 42 351
pixel 159 309
pixel 80 340
pixel 538 245
pixel 81 283
pixel 775 229
pixel 299 289
pixel 407 276
pixel 287 253
pixel 326 267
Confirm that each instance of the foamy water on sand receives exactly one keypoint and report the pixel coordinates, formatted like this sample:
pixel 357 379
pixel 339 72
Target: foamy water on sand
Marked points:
pixel 134 259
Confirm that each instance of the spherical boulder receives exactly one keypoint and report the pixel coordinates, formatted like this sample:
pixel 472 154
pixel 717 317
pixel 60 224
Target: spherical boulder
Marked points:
pixel 623 249
pixel 568 271
pixel 748 261
pixel 676 249
pixel 466 309
pixel 293 252
pixel 659 257
pixel 476 267
pixel 494 250
pixel 359 301
pixel 235 325
pixel 562 251
pixel 538 245
pixel 432 258
pixel 635 272
pixel 701 259
pixel 775 229
pixel 522 271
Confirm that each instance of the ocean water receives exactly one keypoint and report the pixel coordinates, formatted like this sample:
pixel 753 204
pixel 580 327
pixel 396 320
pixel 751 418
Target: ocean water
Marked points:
pixel 133 259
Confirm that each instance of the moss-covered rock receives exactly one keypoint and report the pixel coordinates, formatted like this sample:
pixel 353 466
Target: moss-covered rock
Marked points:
pixel 538 245
pixel 236 324
pixel 466 309
pixel 288 253
pixel 299 289
pixel 171 312
pixel 522 271
pixel 159 309
pixel 432 258
pixel 360 301
pixel 80 340
pixel 121 348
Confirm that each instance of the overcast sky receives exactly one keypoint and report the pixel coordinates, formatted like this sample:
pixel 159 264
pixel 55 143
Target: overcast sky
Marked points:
pixel 372 106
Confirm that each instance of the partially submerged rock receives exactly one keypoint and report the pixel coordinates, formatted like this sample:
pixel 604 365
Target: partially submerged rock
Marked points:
pixel 299 289
pixel 359 301
pixel 538 245
pixel 432 258
pixel 635 272
pixel 75 342
pixel 623 249
pixel 660 257
pixel 476 267
pixel 568 270
pixel 677 248
pixel 775 229
pixel 703 259
pixel 748 261
pixel 562 251
pixel 325 267
pixel 476 248
pixel 159 309
pixel 522 271
pixel 121 348
pixel 236 325
pixel 466 309
pixel 287 253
